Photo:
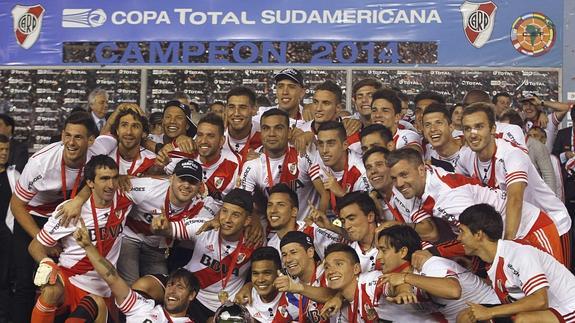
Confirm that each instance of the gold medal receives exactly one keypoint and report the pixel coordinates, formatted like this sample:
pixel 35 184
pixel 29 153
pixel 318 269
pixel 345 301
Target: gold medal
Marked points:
pixel 223 296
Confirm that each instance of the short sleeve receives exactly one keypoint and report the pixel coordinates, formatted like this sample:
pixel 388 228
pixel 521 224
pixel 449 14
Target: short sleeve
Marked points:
pixel 362 184
pixel 53 231
pixel 187 228
pixel 408 137
pixel 463 163
pixel 249 176
pixel 29 182
pixel 103 145
pixel 516 166
pixel 135 303
pixel 323 238
pixel 531 274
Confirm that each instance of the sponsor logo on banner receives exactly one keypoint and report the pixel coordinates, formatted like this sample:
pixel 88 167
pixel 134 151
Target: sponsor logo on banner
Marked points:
pixel 83 18
pixel 533 34
pixel 27 24
pixel 478 21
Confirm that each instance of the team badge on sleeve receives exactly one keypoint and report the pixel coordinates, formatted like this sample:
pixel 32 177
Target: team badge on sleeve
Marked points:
pixel 478 21
pixel 27 24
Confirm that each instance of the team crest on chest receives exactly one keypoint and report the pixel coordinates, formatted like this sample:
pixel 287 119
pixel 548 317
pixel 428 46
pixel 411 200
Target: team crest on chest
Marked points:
pixel 218 182
pixel 370 312
pixel 283 311
pixel 292 167
pixel 241 258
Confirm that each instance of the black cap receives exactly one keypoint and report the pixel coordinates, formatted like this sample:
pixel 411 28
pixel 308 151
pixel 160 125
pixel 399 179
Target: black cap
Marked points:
pixel 297 236
pixel 290 74
pixel 241 198
pixel 187 168
pixel 191 132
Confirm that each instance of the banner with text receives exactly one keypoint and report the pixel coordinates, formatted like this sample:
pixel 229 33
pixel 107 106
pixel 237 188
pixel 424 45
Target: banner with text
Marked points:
pixel 321 32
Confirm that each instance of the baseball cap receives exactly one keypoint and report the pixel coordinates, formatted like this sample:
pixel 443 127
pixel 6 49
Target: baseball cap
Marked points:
pixel 297 236
pixel 528 96
pixel 187 168
pixel 187 112
pixel 290 74
pixel 241 198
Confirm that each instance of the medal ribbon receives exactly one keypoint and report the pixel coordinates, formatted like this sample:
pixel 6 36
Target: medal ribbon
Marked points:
pixel 302 299
pixel 352 313
pixel 96 225
pixel 76 181
pixel 289 155
pixel 232 265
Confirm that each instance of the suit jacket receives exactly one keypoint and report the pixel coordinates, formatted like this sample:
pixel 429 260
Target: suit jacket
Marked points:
pixel 18 154
pixel 563 142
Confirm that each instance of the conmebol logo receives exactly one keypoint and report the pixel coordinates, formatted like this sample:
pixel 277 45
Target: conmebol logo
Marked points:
pixel 83 18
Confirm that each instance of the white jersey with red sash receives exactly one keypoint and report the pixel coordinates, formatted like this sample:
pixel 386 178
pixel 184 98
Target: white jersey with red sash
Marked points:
pixel 521 270
pixel 137 308
pixel 46 181
pixel 136 167
pixel 220 176
pixel 276 311
pixel 241 147
pixel 473 289
pixel 104 227
pixel 218 264
pixel 510 164
pixel 321 237
pixel 151 197
pixel 298 172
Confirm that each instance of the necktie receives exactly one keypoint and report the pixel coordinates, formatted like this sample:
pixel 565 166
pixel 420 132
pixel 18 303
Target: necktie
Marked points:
pixel 100 124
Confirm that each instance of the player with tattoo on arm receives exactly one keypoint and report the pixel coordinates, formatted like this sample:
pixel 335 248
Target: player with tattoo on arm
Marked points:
pixel 72 284
pixel 181 289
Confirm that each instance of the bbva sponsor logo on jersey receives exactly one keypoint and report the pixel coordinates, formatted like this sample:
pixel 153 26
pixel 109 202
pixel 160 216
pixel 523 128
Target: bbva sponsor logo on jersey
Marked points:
pixel 83 18
pixel 27 21
pixel 478 21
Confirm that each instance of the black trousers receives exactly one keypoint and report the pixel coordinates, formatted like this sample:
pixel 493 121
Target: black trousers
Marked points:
pixel 6 271
pixel 24 266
